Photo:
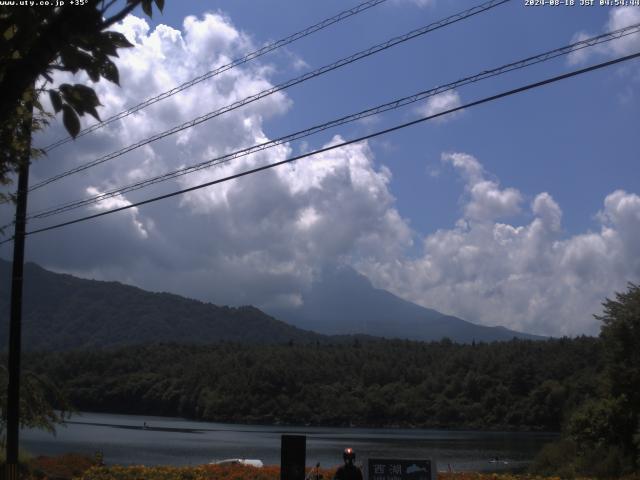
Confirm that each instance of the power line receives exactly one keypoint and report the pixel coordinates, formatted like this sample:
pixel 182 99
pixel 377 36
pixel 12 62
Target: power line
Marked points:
pixel 307 76
pixel 333 147
pixel 212 73
pixel 606 37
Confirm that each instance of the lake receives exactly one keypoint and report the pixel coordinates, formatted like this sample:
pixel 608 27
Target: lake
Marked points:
pixel 176 441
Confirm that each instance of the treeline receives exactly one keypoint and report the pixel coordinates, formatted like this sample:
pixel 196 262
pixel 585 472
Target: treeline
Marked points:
pixel 508 385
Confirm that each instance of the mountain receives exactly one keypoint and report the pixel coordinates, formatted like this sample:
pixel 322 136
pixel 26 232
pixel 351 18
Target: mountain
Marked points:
pixel 342 301
pixel 62 312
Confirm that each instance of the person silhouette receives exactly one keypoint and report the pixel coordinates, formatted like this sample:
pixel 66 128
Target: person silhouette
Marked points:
pixel 348 471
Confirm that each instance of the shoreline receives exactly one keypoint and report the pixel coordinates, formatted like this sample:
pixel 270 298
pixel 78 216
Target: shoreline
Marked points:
pixel 378 426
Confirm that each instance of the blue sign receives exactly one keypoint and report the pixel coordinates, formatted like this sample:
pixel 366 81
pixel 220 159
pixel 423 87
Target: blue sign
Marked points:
pixel 387 469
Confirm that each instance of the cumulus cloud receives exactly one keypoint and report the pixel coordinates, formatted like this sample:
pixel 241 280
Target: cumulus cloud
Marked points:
pixel 528 277
pixel 487 201
pixel 256 240
pixel 440 103
pixel 120 201
pixel 619 17
pixel 261 239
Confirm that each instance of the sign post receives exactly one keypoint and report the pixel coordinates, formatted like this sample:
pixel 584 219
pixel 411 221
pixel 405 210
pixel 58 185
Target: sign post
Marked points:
pixel 293 457
pixel 388 469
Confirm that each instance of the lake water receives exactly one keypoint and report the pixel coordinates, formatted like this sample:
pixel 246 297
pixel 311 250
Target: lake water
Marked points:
pixel 176 441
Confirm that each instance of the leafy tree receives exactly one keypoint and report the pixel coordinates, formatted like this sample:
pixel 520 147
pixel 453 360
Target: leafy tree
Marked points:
pixel 620 334
pixel 37 400
pixel 36 41
pixel 382 382
pixel 599 423
pixel 604 431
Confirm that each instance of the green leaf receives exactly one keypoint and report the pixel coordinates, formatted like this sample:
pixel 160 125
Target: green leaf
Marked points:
pixel 160 4
pixel 106 46
pixel 86 92
pixel 65 88
pixel 94 113
pixel 37 105
pixel 70 120
pixel 69 59
pixel 75 59
pixel 80 97
pixel 10 32
pixel 146 7
pixel 117 39
pixel 109 71
pixel 56 100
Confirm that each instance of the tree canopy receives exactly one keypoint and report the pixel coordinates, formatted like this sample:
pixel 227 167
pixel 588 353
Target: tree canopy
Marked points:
pixel 502 385
pixel 38 41
pixel 602 436
pixel 42 403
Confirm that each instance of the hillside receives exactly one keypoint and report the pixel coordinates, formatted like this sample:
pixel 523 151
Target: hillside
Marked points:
pixel 342 301
pixel 62 312
pixel 502 385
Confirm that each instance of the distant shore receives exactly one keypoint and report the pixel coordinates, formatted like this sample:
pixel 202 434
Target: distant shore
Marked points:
pixel 378 425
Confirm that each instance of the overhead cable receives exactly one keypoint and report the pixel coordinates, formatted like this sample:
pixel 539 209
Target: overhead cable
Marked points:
pixel 542 57
pixel 282 86
pixel 217 71
pixel 514 91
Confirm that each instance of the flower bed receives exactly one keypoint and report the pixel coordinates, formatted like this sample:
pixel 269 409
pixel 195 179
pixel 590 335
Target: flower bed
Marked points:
pixel 78 467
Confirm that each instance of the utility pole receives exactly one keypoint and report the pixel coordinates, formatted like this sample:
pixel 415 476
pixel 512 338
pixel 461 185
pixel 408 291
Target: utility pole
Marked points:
pixel 15 325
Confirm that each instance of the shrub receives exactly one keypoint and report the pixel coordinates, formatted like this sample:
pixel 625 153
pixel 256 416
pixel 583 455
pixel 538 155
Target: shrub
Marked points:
pixel 556 458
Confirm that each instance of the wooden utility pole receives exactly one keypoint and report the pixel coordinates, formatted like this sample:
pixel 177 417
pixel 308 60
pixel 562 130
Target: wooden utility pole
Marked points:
pixel 15 325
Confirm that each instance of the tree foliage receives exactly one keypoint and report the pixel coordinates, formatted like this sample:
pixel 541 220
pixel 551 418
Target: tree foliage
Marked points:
pixel 62 312
pixel 620 334
pixel 375 383
pixel 37 41
pixel 603 433
pixel 38 396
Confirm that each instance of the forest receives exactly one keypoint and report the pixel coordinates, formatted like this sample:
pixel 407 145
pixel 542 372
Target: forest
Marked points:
pixel 525 385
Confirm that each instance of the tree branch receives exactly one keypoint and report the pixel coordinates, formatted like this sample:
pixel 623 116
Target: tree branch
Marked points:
pixel 121 15
pixel 107 7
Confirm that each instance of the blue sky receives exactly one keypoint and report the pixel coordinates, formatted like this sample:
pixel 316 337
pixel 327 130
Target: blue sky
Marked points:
pixel 523 212
pixel 577 140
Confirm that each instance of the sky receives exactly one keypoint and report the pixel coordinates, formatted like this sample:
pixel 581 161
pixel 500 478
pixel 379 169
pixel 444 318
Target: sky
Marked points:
pixel 524 212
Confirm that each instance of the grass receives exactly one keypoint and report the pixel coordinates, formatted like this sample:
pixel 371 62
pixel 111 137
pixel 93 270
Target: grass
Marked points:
pixel 80 467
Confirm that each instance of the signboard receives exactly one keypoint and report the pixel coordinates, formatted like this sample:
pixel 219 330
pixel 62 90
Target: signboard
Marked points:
pixel 387 469
pixel 293 452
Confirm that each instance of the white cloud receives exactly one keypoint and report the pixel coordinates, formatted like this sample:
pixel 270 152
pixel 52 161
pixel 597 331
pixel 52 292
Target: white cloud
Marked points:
pixel 120 201
pixel 578 57
pixel 619 17
pixel 260 239
pixel 439 103
pixel 486 200
pixel 527 277
pixel 266 232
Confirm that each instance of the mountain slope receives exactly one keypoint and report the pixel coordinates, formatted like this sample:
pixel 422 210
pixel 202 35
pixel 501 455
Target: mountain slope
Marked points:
pixel 63 312
pixel 343 301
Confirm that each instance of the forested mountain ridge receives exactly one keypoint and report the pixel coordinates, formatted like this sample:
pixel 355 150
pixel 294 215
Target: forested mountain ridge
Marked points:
pixel 531 385
pixel 62 312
